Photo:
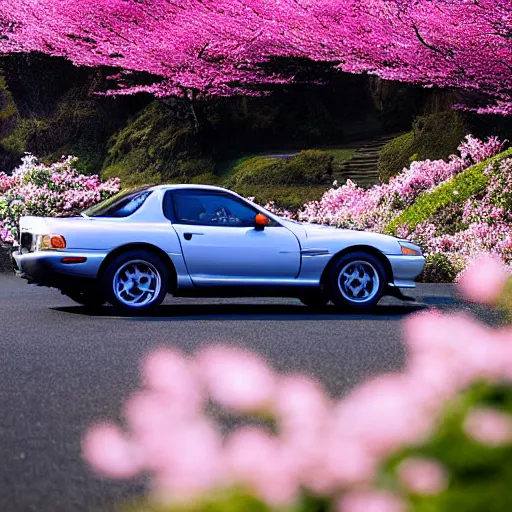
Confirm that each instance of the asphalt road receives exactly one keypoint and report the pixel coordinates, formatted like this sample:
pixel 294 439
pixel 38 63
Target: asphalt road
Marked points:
pixel 62 367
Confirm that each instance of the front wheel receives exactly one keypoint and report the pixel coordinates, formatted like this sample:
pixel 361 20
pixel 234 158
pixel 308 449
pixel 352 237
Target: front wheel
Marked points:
pixel 136 281
pixel 357 280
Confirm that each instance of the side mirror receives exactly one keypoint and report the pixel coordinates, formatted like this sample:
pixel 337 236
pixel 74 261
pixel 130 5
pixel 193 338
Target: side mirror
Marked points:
pixel 260 221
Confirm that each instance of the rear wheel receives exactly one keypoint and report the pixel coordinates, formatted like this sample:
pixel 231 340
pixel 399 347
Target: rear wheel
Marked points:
pixel 357 280
pixel 136 281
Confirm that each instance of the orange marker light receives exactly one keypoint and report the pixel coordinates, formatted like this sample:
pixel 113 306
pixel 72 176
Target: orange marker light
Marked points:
pixel 410 252
pixel 261 220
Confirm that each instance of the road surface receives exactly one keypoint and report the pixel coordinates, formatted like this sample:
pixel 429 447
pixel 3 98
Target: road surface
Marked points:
pixel 62 367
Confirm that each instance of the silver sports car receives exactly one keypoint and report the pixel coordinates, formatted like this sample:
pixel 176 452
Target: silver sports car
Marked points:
pixel 196 241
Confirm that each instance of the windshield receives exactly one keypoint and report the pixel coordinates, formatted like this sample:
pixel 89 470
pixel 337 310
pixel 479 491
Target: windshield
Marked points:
pixel 123 204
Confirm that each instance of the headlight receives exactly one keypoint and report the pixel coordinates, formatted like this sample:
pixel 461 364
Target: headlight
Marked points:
pixel 46 242
pixel 410 249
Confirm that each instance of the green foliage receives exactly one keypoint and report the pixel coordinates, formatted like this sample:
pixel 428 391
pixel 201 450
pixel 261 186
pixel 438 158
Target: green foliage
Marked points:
pixel 228 501
pixel 448 220
pixel 339 157
pixel 197 167
pixel 233 500
pixel 434 136
pixel 309 167
pixel 27 133
pixel 78 125
pixel 479 474
pixel 457 190
pixel 154 146
pixel 7 106
pixel 207 178
pixel 438 269
pixel 395 155
pixel 259 170
pixel 290 197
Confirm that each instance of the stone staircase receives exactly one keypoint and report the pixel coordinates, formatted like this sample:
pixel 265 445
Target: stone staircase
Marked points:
pixel 362 168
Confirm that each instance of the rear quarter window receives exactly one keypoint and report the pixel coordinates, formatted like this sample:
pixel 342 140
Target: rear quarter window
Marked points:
pixel 124 205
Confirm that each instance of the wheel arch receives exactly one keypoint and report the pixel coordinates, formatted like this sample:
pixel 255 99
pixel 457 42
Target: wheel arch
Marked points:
pixel 171 285
pixel 358 248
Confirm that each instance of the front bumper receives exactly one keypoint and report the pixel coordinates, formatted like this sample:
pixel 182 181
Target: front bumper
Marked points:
pixel 405 269
pixel 46 268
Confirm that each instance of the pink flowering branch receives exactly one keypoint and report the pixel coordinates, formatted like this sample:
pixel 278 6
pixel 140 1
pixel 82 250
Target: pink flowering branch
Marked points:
pixel 224 47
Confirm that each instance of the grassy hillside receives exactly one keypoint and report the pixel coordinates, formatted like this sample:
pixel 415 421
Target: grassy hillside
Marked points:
pixel 457 190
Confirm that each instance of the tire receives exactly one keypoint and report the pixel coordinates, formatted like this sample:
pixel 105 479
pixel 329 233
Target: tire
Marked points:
pixel 314 301
pixel 357 280
pixel 146 276
pixel 88 299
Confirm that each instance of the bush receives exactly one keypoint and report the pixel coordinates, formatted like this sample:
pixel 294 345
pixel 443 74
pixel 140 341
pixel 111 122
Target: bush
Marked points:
pixel 438 269
pixel 433 137
pixel 394 156
pixel 310 167
pixel 47 190
pixel 456 190
pixel 257 170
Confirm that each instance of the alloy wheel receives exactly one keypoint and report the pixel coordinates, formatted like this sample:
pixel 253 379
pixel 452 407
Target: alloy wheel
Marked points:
pixel 359 281
pixel 137 283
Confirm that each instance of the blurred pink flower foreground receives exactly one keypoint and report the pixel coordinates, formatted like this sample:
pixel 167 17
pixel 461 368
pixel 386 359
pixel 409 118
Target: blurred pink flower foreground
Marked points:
pixel 484 280
pixel 329 448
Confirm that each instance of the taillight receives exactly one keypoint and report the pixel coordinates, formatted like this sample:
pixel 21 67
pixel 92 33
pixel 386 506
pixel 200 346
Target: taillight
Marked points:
pixel 52 242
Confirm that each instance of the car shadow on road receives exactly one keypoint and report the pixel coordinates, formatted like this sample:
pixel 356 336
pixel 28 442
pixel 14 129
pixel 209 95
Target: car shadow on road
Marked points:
pixel 248 312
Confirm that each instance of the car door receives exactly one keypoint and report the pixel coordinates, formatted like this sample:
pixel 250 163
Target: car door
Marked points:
pixel 221 245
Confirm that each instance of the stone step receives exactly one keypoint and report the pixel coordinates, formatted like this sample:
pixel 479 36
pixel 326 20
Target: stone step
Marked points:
pixel 362 168
pixel 364 156
pixel 364 160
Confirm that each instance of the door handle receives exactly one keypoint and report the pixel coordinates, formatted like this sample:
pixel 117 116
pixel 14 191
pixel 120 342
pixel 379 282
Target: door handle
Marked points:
pixel 188 236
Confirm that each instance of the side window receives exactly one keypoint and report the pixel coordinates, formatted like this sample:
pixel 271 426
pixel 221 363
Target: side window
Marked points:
pixel 211 210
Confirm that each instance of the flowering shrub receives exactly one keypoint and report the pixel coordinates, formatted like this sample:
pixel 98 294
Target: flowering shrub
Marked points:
pixel 486 220
pixel 55 190
pixel 437 436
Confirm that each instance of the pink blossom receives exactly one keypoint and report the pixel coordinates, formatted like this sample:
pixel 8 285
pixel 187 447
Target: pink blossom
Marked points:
pixel 170 373
pixel 301 406
pixel 237 379
pixel 386 401
pixel 201 49
pixel 106 449
pixel 489 426
pixel 344 461
pixel 193 462
pixel 263 465
pixel 484 280
pixel 423 476
pixel 370 501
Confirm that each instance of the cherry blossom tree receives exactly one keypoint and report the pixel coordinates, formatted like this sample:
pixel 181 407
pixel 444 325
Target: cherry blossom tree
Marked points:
pixel 224 47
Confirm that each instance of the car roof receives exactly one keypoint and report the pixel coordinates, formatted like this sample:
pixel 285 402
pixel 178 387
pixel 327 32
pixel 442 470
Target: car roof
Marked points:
pixel 188 186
